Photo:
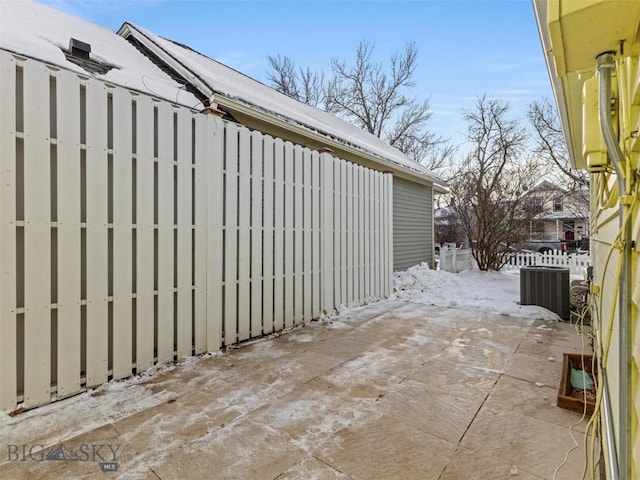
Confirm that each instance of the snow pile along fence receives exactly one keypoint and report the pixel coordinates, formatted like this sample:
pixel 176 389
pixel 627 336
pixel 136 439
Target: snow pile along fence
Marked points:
pixel 575 262
pixel 135 232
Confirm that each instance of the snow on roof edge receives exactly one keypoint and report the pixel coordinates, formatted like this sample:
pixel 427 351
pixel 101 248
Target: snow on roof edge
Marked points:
pixel 409 164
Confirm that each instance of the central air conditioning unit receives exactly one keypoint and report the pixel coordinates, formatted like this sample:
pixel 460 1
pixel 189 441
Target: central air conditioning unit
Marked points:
pixel 547 287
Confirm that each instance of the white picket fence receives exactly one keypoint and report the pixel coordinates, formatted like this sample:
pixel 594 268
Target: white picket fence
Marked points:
pixel 575 262
pixel 135 232
pixel 454 260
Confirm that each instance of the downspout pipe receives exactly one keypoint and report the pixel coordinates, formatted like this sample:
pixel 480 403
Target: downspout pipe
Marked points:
pixel 605 65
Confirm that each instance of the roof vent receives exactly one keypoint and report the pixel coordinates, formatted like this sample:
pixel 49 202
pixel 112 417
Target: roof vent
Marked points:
pixel 80 53
pixel 79 49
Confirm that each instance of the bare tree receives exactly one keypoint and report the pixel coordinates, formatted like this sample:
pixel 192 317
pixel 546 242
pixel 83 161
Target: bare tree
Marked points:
pixel 284 75
pixel 372 96
pixel 304 85
pixel 488 188
pixel 551 149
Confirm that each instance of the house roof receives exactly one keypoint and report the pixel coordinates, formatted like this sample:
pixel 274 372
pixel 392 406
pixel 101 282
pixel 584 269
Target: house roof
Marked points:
pixel 545 185
pixel 33 30
pixel 560 216
pixel 240 93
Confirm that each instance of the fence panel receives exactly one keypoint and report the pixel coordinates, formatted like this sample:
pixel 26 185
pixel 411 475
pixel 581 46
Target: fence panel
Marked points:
pixel 575 262
pixel 184 237
pixel 337 213
pixel 9 139
pixel 244 234
pixel 166 234
pixel 316 308
pixel 289 234
pixel 268 229
pixel 298 231
pixel 367 236
pixel 278 237
pixel 36 166
pixel 307 211
pixel 145 251
pixel 97 254
pixel 326 229
pixel 69 233
pixel 122 248
pixel 230 251
pixel 135 232
pixel 257 201
pixel 342 193
pixel 201 204
pixel 214 163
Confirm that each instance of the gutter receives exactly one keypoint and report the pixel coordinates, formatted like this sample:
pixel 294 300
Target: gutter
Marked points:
pixel 605 65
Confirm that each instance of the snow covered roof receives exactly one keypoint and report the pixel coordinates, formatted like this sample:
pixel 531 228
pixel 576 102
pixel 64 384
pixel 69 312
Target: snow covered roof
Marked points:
pixel 561 216
pixel 36 31
pixel 214 78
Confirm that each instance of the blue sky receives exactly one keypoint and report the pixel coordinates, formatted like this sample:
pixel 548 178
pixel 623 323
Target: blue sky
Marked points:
pixel 467 47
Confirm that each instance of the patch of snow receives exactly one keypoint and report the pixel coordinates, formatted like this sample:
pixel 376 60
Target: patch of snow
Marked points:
pixel 306 338
pixel 489 292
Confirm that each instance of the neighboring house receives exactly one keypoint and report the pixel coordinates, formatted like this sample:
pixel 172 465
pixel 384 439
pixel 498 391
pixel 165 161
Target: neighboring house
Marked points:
pixel 563 215
pixel 246 101
pixel 138 227
pixel 593 54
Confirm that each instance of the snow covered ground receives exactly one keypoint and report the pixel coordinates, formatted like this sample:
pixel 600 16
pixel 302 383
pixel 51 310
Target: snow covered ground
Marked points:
pixel 490 292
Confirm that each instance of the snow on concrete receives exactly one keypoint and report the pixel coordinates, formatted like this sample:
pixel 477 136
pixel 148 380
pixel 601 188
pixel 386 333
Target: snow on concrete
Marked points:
pixel 490 292
pixel 478 292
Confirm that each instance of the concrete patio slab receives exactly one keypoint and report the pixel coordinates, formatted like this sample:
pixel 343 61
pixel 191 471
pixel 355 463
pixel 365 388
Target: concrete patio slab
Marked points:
pixel 386 449
pixel 388 391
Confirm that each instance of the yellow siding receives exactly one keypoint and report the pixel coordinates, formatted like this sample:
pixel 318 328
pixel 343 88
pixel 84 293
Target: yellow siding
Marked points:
pixel 574 33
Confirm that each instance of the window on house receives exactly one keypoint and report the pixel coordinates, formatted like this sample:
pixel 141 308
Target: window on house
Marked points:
pixel 534 203
pixel 557 204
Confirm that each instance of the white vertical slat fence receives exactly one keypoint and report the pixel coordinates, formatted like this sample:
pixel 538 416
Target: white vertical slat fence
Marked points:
pixel 135 232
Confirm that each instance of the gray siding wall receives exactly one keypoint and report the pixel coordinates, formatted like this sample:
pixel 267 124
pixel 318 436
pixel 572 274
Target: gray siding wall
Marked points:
pixel 412 224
